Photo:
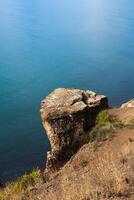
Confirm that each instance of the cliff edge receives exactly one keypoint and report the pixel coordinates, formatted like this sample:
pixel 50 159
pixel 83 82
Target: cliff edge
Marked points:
pixel 92 146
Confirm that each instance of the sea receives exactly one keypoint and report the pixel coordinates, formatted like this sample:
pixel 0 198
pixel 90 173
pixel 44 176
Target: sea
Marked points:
pixel 87 44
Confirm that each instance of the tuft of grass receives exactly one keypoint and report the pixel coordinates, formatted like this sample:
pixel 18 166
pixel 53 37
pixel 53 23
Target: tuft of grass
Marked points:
pixel 105 128
pixel 21 186
pixel 104 117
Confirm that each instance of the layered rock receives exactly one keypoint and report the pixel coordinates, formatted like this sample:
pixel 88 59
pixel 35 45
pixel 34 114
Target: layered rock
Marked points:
pixel 67 116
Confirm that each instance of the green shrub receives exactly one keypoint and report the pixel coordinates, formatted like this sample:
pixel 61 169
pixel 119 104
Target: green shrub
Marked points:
pixel 104 117
pixel 26 181
pixel 21 185
pixel 105 127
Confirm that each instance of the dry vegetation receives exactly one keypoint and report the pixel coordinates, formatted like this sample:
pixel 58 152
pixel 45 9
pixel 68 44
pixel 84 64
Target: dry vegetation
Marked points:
pixel 101 170
pixel 89 176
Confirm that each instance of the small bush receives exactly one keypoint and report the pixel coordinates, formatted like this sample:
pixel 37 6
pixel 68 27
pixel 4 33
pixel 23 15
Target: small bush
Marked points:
pixel 23 183
pixel 105 127
pixel 104 117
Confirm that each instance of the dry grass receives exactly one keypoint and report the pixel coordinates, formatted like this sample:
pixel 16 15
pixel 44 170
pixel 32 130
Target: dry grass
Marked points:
pixel 99 175
pixel 105 178
pixel 108 176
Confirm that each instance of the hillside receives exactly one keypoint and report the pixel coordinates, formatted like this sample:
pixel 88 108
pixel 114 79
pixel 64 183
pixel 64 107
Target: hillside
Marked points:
pixel 101 169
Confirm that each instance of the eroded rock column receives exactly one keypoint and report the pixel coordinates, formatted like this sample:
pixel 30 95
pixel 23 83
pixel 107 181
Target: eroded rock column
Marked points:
pixel 67 116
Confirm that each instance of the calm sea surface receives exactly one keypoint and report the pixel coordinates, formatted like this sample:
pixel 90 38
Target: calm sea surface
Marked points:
pixel 47 44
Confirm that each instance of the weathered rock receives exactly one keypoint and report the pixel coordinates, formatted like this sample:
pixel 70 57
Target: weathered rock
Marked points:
pixel 129 104
pixel 67 116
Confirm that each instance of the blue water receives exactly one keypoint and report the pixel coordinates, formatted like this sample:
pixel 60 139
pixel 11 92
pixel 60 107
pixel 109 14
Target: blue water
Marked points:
pixel 48 44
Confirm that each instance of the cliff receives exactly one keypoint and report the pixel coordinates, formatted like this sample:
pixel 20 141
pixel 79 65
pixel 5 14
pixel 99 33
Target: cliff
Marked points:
pixel 67 116
pixel 92 151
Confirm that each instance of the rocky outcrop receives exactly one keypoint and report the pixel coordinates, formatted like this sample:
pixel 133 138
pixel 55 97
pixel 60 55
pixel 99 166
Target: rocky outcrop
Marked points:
pixel 67 116
pixel 129 104
pixel 125 113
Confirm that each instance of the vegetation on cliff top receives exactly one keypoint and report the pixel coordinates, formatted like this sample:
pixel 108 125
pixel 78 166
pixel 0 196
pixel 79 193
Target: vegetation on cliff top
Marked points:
pixel 21 186
pixel 105 128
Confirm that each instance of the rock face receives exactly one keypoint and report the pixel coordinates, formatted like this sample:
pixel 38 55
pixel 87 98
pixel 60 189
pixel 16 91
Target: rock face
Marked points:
pixel 129 104
pixel 67 116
